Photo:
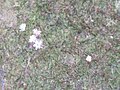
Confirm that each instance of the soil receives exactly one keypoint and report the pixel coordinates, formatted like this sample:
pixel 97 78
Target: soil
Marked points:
pixel 8 15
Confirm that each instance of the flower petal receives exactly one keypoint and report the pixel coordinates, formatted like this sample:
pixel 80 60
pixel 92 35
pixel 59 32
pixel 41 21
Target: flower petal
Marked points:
pixel 22 27
pixel 89 58
pixel 32 39
pixel 38 44
pixel 36 32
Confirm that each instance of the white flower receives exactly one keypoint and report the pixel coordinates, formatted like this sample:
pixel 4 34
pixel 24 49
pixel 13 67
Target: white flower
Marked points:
pixel 22 27
pixel 38 44
pixel 89 58
pixel 36 32
pixel 111 37
pixel 35 40
pixel 32 39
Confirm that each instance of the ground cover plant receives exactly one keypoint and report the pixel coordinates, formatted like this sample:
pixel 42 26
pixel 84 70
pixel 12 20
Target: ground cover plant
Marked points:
pixel 59 45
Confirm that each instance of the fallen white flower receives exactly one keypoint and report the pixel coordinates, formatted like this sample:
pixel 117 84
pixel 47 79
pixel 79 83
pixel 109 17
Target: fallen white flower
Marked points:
pixel 22 27
pixel 111 37
pixel 36 32
pixel 89 58
pixel 38 44
pixel 32 39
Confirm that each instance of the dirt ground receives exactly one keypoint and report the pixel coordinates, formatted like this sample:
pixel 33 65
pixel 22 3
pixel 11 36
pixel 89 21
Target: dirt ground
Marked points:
pixel 8 14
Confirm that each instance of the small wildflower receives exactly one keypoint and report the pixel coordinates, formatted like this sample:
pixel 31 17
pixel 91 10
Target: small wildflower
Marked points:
pixel 22 27
pixel 111 37
pixel 89 58
pixel 35 40
pixel 32 39
pixel 92 20
pixel 36 32
pixel 38 44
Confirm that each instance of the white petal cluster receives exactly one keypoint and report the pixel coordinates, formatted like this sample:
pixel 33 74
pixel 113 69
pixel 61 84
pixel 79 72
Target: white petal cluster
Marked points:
pixel 35 40
pixel 22 27
pixel 36 32
pixel 89 58
pixel 32 39
pixel 38 44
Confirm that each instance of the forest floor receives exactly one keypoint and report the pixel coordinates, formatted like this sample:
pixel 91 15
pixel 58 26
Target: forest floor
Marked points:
pixel 71 31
